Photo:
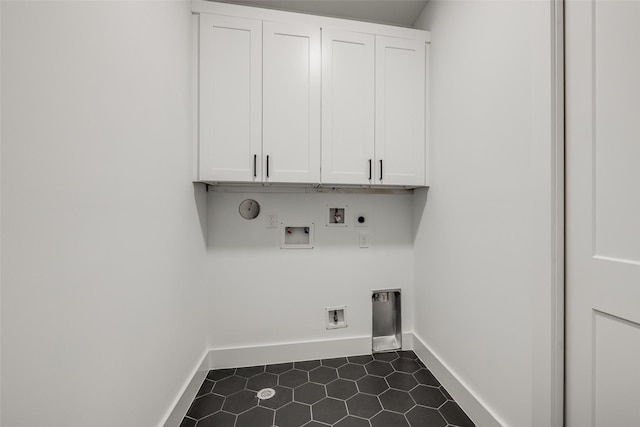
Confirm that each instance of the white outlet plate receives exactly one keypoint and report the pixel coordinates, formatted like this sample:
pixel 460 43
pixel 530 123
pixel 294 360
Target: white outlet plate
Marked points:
pixel 271 220
pixel 364 239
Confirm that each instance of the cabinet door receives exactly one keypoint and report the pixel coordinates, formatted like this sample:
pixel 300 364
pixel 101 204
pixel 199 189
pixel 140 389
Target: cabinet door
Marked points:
pixel 230 92
pixel 348 65
pixel 400 111
pixel 291 103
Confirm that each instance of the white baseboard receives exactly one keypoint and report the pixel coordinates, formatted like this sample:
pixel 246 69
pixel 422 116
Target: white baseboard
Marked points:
pixel 294 352
pixel 311 350
pixel 463 395
pixel 174 417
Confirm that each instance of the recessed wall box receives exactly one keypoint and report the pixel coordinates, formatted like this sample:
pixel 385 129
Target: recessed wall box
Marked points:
pixel 387 320
pixel 336 216
pixel 296 235
pixel 335 317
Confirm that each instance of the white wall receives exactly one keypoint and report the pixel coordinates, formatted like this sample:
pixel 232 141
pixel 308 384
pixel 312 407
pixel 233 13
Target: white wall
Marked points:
pixel 102 246
pixel 265 295
pixel 1 212
pixel 483 249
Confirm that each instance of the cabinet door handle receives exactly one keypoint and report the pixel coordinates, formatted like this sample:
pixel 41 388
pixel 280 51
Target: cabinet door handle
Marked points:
pixel 370 169
pixel 267 166
pixel 380 169
pixel 255 165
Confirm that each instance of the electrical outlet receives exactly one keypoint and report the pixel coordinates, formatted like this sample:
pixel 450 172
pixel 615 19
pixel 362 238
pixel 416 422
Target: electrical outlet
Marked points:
pixel 361 220
pixel 271 220
pixel 364 239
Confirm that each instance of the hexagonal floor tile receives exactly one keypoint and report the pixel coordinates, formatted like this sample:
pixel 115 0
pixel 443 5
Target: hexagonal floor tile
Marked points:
pixel 379 368
pixel 239 402
pixel 307 365
pixel 261 381
pixel 205 388
pixel 249 371
pixel 405 365
pixel 188 422
pixel 446 393
pixel 397 401
pixel 425 417
pixel 309 393
pixel 283 396
pixel 229 385
pixel 355 391
pixel 279 368
pixel 360 360
pixel 428 396
pixel 350 421
pixel 455 415
pixel 387 357
pixel 407 354
pixel 329 410
pixel 220 374
pixel 401 381
pixel 424 376
pixel 293 415
pixel 351 371
pixel 372 385
pixel 363 405
pixel 219 419
pixel 334 363
pixel 204 406
pixel 389 419
pixel 256 417
pixel 323 375
pixel 293 378
pixel 341 389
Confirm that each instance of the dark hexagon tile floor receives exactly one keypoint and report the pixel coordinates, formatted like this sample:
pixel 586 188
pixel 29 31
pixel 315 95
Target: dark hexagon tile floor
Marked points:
pixel 392 389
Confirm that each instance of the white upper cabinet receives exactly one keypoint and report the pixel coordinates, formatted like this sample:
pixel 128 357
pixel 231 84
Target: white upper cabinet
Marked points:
pixel 230 98
pixel 373 85
pixel 288 98
pixel 400 111
pixel 348 64
pixel 291 103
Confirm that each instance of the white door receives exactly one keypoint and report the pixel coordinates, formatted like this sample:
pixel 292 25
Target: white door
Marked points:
pixel 603 213
pixel 400 111
pixel 348 65
pixel 230 110
pixel 291 103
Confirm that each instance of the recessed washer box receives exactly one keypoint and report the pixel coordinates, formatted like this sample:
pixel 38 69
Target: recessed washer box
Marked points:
pixel 337 215
pixel 296 235
pixel 335 317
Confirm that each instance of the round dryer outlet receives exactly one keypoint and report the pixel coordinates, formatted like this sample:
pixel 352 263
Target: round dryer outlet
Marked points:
pixel 249 209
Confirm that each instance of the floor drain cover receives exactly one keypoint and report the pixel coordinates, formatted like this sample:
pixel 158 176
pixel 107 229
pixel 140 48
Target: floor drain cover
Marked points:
pixel 266 393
